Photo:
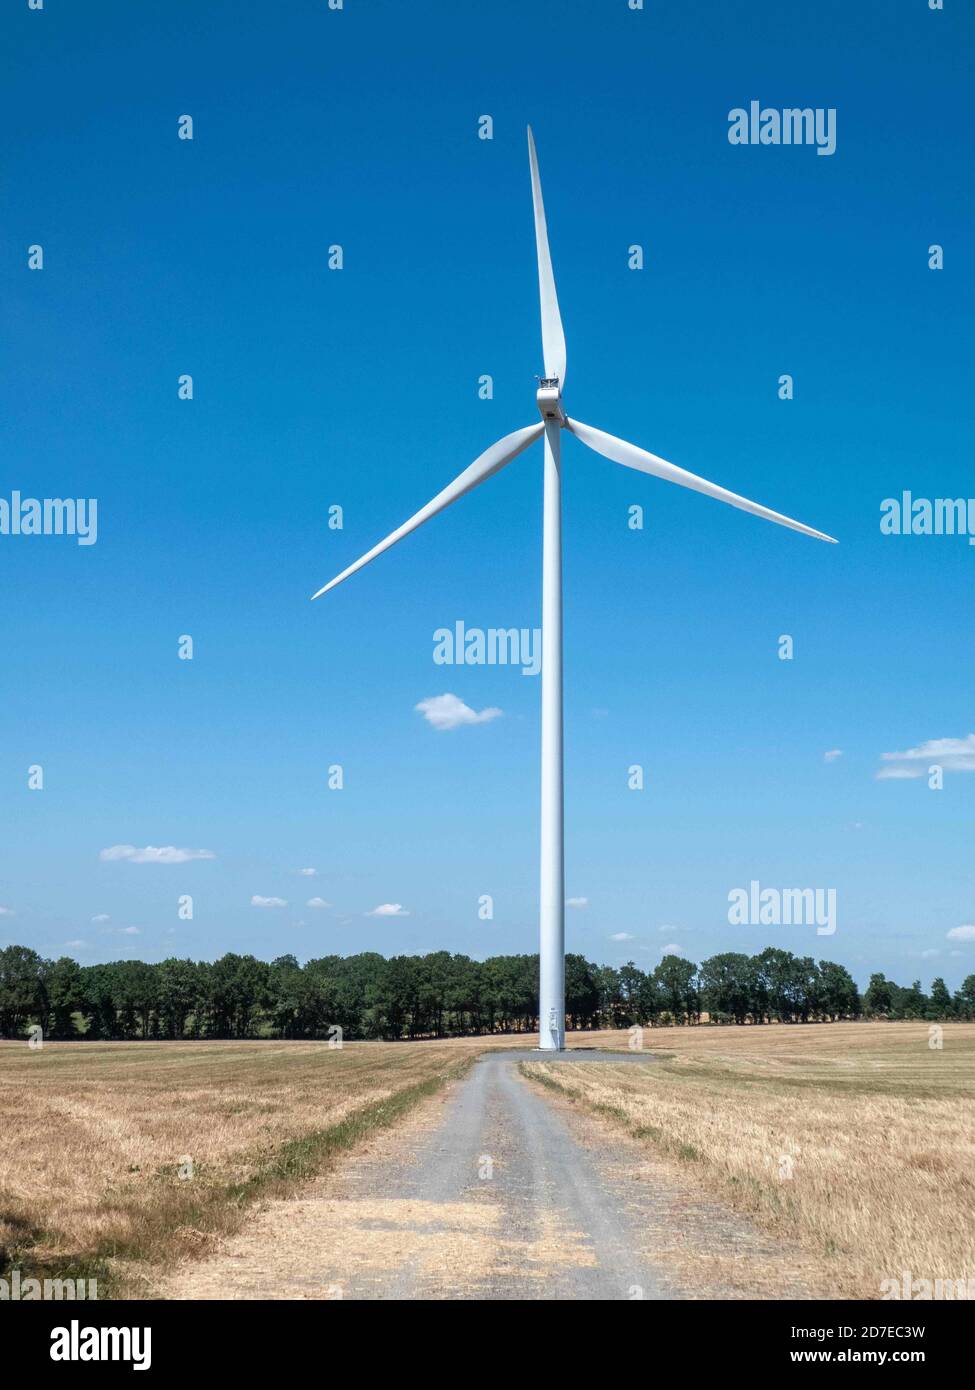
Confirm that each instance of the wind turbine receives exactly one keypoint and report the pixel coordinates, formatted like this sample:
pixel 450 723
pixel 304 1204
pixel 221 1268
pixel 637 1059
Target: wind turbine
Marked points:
pixel 551 998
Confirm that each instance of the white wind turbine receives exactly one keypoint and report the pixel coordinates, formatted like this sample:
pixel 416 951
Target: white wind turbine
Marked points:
pixel 551 997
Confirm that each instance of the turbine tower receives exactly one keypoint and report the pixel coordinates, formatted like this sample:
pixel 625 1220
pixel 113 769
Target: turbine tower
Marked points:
pixel 551 994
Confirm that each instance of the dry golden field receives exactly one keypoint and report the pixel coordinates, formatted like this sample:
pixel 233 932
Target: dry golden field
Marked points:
pixel 93 1137
pixel 855 1140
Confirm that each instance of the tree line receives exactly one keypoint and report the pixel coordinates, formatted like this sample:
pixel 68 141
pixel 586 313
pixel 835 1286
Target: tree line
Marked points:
pixel 436 995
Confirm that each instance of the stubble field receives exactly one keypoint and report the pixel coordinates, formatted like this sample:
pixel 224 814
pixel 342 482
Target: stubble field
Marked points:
pixel 854 1141
pixel 97 1139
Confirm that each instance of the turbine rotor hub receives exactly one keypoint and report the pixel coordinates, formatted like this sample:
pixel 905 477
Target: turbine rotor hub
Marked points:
pixel 549 398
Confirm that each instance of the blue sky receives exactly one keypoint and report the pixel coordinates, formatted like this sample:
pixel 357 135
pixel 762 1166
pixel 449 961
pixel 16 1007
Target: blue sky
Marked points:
pixel 359 388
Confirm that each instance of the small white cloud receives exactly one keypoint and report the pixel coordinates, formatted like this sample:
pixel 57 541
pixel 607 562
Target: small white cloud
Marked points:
pixel 151 854
pixel 953 754
pixel 672 949
pixel 929 953
pixel 962 933
pixel 621 936
pixel 100 918
pixel 308 873
pixel 832 755
pixel 667 926
pixel 258 901
pixel 899 774
pixel 317 902
pixel 130 931
pixel 388 910
pixel 7 912
pixel 75 945
pixel 577 902
pixel 449 712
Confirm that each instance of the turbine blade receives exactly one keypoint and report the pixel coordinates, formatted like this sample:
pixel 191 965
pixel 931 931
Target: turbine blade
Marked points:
pixel 631 457
pixel 553 339
pixel 489 462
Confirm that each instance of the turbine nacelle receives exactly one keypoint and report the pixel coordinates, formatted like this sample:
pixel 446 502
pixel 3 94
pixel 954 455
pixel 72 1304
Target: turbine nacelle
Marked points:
pixel 549 398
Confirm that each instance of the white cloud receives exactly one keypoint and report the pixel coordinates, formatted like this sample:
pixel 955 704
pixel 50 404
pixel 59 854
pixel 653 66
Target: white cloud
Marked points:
pixel 75 945
pixel 130 931
pixel 672 949
pixel 388 910
pixel 667 926
pixel 7 912
pixel 621 936
pixel 953 754
pixel 167 854
pixel 317 902
pixel 963 933
pixel 308 873
pixel 577 902
pixel 449 712
pixel 101 917
pixel 832 755
pixel 258 901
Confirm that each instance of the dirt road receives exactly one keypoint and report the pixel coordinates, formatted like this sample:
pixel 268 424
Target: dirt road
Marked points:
pixel 496 1189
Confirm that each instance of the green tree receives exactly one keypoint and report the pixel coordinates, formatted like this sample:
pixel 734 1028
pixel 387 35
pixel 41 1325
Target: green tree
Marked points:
pixel 581 992
pixel 634 995
pixel 878 1002
pixel 65 993
pixel 134 995
pixel 775 972
pixel 235 989
pixel 727 985
pixel 940 1005
pixel 676 981
pixel 613 1011
pixel 839 995
pixel 179 995
pixel 965 998
pixel 911 1003
pixel 23 997
pixel 98 1006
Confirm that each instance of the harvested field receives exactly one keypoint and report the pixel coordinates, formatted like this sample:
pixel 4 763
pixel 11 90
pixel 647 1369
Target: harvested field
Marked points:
pixel 856 1140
